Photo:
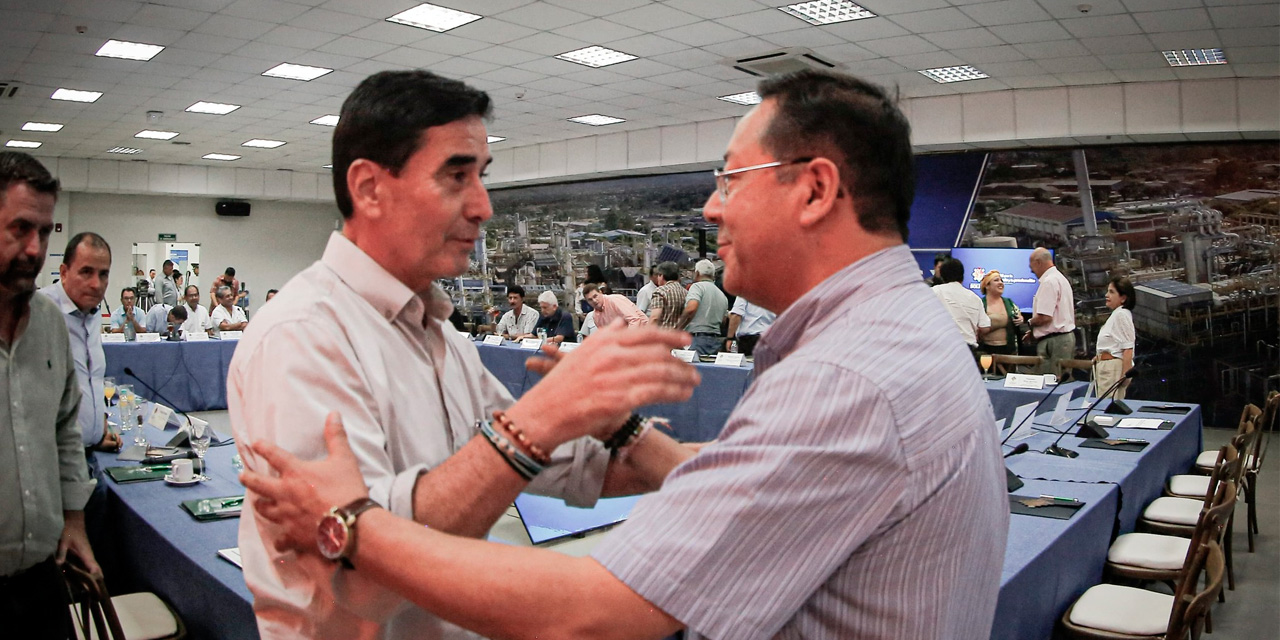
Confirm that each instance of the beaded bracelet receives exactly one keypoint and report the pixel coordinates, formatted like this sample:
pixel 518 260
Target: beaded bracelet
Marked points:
pixel 501 418
pixel 515 458
pixel 625 434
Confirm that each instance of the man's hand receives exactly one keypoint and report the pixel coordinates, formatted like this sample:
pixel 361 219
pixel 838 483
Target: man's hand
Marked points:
pixel 110 442
pixel 75 540
pixel 304 491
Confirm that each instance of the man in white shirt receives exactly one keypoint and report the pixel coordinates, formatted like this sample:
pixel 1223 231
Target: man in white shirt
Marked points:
pixel 197 315
pixel 362 332
pixel 520 321
pixel 643 295
pixel 965 307
pixel 1053 319
pixel 746 322
pixel 227 316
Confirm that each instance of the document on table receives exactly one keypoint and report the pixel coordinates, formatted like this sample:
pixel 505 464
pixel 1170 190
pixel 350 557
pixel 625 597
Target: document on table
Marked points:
pixel 231 555
pixel 1140 423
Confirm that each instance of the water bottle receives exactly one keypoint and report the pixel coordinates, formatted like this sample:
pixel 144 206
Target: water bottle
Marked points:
pixel 542 334
pixel 130 334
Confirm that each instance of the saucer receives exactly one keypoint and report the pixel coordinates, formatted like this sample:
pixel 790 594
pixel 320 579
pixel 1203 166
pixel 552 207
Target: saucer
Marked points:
pixel 181 483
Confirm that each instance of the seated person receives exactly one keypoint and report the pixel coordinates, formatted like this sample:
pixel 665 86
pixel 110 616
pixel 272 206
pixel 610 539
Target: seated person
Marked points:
pixel 609 307
pixel 588 326
pixel 129 312
pixel 227 316
pixel 197 315
pixel 555 321
pixel 173 323
pixel 518 323
pixel 158 317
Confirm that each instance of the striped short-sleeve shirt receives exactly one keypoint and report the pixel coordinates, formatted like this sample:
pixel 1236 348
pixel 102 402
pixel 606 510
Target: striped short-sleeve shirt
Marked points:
pixel 856 491
pixel 669 298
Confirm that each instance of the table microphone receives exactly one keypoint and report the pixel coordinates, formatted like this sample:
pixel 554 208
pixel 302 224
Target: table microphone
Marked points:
pixel 1086 430
pixel 1021 448
pixel 129 372
pixel 1032 415
pixel 1011 480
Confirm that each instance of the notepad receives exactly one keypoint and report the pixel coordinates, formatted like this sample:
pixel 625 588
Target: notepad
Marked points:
pixel 231 555
pixel 1140 423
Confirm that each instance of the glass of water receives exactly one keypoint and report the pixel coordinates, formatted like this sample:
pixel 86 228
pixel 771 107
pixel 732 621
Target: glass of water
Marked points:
pixel 201 434
pixel 126 408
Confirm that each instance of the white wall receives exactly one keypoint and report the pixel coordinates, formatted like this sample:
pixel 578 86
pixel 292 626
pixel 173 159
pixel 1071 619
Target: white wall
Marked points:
pixel 276 241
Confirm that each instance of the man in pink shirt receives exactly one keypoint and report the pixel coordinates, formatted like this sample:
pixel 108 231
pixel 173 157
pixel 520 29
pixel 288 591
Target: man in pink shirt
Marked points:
pixel 1053 319
pixel 610 307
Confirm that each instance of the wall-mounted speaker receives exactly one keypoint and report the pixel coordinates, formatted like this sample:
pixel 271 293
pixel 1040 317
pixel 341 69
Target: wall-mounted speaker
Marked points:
pixel 232 208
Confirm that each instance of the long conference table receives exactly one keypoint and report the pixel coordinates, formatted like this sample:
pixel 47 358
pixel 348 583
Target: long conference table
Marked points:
pixel 1048 562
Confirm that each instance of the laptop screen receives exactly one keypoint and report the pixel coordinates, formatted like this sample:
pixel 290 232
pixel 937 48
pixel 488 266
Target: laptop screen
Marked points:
pixel 546 519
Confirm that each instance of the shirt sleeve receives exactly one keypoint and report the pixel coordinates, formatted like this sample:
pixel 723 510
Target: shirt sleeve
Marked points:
pixel 1046 300
pixel 1125 334
pixel 984 320
pixel 694 294
pixel 73 474
pixel 725 525
pixel 504 324
pixel 739 307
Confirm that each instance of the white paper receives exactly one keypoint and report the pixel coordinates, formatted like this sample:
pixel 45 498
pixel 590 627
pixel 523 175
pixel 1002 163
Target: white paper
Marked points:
pixel 465 335
pixel 1023 381
pixel 198 336
pixel 112 337
pixel 231 335
pixel 730 359
pixel 568 346
pixel 1022 421
pixel 531 343
pixel 493 340
pixel 686 355
pixel 160 416
pixel 1140 423
pixel 231 555
pixel 148 337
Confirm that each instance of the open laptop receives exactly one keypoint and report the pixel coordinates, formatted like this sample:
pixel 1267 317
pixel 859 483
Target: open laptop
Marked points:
pixel 546 519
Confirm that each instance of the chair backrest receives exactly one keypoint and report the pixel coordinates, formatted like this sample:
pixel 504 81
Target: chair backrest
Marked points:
pixel 1226 468
pixel 1244 441
pixel 1189 605
pixel 1269 422
pixel 1003 364
pixel 1067 369
pixel 91 603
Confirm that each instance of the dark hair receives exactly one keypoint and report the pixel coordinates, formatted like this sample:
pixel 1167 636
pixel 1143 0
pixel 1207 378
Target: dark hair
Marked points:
pixel 84 237
pixel 179 312
pixel 230 272
pixel 133 290
pixel 940 256
pixel 653 270
pixel 167 263
pixel 594 274
pixel 1125 288
pixel 952 270
pixel 16 167
pixel 271 291
pixel 384 118
pixel 516 289
pixel 589 287
pixel 189 288
pixel 669 270
pixel 856 125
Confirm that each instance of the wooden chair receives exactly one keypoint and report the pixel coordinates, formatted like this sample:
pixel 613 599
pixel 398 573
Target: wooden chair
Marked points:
pixel 135 616
pixel 1067 369
pixel 1204 461
pixel 1005 364
pixel 1114 612
pixel 1253 462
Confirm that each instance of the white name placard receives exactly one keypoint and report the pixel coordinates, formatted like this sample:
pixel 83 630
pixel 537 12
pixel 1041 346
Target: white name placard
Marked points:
pixel 531 343
pixel 198 336
pixel 231 335
pixel 730 359
pixel 493 340
pixel 1023 381
pixel 686 355
pixel 112 337
pixel 159 416
pixel 568 346
pixel 148 337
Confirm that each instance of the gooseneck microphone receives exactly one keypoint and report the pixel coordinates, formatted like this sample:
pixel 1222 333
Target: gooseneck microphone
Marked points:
pixel 1031 415
pixel 129 372
pixel 1096 432
pixel 1021 448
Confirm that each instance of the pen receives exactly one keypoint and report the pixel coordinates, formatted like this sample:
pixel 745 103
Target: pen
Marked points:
pixel 1058 499
pixel 1130 441
pixel 233 502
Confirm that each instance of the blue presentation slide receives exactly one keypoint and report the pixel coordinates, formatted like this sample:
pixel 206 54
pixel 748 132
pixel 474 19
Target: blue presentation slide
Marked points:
pixel 1019 282
pixel 548 519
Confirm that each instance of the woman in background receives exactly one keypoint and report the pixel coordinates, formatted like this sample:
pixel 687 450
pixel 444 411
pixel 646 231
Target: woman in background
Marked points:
pixel 1006 320
pixel 1116 339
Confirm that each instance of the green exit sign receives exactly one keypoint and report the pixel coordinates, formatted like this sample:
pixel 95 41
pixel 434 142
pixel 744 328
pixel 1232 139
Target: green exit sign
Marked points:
pixel 168 237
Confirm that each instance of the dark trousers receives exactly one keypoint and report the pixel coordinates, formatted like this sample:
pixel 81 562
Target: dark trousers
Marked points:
pixel 33 603
pixel 747 343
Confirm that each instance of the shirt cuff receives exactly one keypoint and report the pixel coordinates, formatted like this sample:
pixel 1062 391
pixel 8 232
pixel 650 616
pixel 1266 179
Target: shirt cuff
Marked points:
pixel 576 473
pixel 75 493
pixel 400 497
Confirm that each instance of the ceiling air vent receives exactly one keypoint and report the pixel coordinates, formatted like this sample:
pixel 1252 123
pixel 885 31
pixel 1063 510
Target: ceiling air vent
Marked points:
pixel 779 62
pixel 9 90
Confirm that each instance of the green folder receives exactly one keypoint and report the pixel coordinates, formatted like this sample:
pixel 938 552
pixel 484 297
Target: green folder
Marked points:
pixel 139 473
pixel 205 509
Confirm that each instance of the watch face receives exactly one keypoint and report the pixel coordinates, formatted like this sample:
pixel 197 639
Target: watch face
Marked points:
pixel 331 536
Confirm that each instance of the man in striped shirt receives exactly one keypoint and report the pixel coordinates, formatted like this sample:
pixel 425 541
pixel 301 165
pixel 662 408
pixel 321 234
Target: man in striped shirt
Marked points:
pixel 666 303
pixel 857 489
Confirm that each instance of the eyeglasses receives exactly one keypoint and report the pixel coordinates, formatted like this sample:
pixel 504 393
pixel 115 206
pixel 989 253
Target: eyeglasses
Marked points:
pixel 722 176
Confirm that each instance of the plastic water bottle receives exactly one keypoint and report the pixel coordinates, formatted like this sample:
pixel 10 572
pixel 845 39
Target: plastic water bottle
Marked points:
pixel 130 334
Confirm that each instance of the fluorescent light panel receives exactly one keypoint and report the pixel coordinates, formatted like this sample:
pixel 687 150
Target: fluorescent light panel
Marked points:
pixel 944 75
pixel 433 18
pixel 823 12
pixel 23 144
pixel 326 121
pixel 259 143
pixel 156 135
pixel 48 127
pixel 596 120
pixel 296 72
pixel 1194 57
pixel 214 108
pixel 746 99
pixel 493 139
pixel 128 50
pixel 220 156
pixel 596 57
pixel 73 95
pixel 124 150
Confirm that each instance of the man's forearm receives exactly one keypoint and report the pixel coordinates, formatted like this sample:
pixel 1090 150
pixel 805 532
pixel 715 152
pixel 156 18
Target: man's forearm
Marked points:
pixel 645 466
pixel 468 492
pixel 1040 319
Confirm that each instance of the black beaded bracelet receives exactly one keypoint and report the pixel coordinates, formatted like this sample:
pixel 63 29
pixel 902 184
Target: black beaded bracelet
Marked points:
pixel 623 436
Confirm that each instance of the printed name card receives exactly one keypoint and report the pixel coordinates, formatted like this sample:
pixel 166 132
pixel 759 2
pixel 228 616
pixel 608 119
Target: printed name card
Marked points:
pixel 1023 381
pixel 685 355
pixel 232 335
pixel 531 343
pixel 568 346
pixel 160 416
pixel 493 340
pixel 198 336
pixel 112 337
pixel 148 337
pixel 730 359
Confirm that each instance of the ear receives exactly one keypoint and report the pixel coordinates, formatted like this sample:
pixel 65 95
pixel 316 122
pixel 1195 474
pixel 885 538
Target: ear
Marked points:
pixel 821 181
pixel 363 179
pixel 62 271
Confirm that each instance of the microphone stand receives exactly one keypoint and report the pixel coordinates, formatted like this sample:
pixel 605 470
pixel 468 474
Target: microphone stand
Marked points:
pixel 1033 412
pixel 1056 450
pixel 129 372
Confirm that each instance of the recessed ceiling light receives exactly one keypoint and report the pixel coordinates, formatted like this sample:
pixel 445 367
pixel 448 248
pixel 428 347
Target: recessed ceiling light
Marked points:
pixel 1194 57
pixel 263 144
pixel 596 56
pixel 220 156
pixel 943 75
pixel 746 99
pixel 128 50
pixel 49 127
pixel 23 144
pixel 296 72
pixel 156 135
pixel 215 108
pixel 328 121
pixel 596 120
pixel 76 96
pixel 493 139
pixel 433 18
pixel 124 150
pixel 827 11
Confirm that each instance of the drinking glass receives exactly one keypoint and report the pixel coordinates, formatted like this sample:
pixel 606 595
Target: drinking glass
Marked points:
pixel 985 361
pixel 201 434
pixel 109 388
pixel 126 405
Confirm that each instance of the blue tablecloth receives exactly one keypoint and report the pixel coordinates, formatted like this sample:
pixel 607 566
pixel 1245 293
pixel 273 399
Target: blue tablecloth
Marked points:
pixel 1004 400
pixel 191 375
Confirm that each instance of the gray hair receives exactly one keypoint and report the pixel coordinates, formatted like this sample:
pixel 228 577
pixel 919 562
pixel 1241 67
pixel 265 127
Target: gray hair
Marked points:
pixel 668 270
pixel 222 289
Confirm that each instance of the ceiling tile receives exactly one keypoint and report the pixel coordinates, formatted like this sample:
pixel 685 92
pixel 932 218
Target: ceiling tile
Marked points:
pixel 704 33
pixel 902 45
pixel 893 7
pixel 452 45
pixel 761 22
pixel 149 35
pixel 1101 26
pixel 410 57
pixel 356 47
pixel 1069 65
pixel 870 29
pixel 1052 49
pixel 233 27
pixel 648 45
pixel 502 56
pixel 1148 60
pixel 1160 5
pixel 1013 69
pixel 1255 37
pixel 963 38
pixel 270 53
pixel 264 10
pixel 597 31
pixel 716 8
pixel 1121 44
pixel 1030 32
pixel 547 44
pixel 1247 55
pixel 208 42
pixel 845 53
pixel 935 20
pixel 1262 15
pixel 111 10
pixel 543 17
pixel 333 21
pixel 1006 12
pixel 653 17
pixel 287 36
pixel 1070 9
pixel 511 75
pixel 154 15
pixel 807 38
pixel 981 55
pixel 1185 40
pixel 643 68
pixel 1181 20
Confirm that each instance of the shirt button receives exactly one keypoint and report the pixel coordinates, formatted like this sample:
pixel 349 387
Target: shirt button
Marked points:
pixel 21 448
pixel 30 536
pixel 26 492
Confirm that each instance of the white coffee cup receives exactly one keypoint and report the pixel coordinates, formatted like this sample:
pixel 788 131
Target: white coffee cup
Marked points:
pixel 1049 378
pixel 182 471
